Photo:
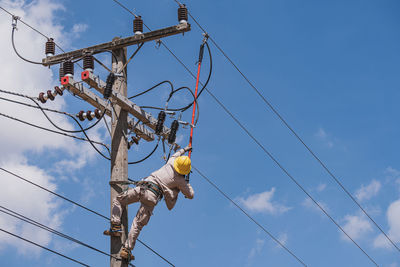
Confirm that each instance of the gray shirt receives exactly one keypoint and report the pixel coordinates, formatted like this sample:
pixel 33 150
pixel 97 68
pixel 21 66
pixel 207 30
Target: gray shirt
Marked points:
pixel 171 182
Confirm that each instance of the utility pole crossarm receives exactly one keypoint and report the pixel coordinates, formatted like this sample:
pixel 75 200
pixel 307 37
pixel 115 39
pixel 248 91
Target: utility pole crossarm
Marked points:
pixel 78 89
pixel 124 102
pixel 119 43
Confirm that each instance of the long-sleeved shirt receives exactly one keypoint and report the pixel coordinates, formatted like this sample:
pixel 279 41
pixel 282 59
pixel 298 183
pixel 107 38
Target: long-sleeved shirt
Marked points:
pixel 171 182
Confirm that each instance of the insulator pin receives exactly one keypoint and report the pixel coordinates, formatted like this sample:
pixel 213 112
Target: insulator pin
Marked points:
pixel 172 134
pixel 109 85
pixel 50 48
pixel 138 25
pixel 68 67
pixel 182 14
pixel 160 122
pixel 88 62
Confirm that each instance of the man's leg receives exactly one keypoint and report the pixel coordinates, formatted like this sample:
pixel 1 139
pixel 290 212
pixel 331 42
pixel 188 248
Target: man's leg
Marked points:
pixel 142 218
pixel 122 200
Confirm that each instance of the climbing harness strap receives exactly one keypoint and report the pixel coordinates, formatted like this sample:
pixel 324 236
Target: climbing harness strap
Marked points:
pixel 153 187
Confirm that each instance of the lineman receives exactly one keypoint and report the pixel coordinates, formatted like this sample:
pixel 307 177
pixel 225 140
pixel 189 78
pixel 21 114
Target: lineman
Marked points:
pixel 168 181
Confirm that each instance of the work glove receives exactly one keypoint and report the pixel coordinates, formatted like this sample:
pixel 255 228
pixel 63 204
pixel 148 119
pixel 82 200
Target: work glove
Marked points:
pixel 188 148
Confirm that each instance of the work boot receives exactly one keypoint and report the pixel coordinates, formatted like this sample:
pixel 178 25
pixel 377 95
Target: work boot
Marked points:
pixel 126 254
pixel 115 230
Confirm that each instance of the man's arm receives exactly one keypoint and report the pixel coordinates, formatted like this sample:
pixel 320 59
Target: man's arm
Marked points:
pixel 186 189
pixel 180 152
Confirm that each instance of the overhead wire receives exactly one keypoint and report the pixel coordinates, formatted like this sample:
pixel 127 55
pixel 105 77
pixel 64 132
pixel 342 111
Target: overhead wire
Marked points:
pixel 297 136
pixel 43 247
pixel 51 230
pixel 249 216
pixel 16 51
pixel 204 88
pixel 146 157
pixel 272 157
pixel 81 206
pixel 50 130
pixel 63 130
pixel 64 133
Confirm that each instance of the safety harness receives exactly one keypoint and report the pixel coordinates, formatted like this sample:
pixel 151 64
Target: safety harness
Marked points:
pixel 153 187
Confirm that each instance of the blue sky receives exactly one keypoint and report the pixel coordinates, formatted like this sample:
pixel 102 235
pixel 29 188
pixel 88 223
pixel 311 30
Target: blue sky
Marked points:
pixel 330 68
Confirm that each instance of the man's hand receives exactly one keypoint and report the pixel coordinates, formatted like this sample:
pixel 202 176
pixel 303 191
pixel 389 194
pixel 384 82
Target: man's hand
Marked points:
pixel 188 148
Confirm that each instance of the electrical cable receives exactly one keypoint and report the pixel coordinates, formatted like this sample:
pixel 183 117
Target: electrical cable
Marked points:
pixel 297 136
pixel 52 251
pixel 249 216
pixel 34 29
pixel 81 206
pixel 38 106
pixel 51 230
pixel 16 52
pixel 49 130
pixel 148 156
pixel 43 128
pixel 153 87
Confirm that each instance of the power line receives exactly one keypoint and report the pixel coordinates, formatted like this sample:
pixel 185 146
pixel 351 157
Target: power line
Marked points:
pixel 249 216
pixel 49 229
pixel 52 251
pixel 282 119
pixel 272 157
pixel 275 160
pixel 49 130
pixel 81 206
pixel 63 113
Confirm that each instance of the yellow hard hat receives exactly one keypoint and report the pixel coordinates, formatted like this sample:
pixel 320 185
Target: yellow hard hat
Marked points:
pixel 182 165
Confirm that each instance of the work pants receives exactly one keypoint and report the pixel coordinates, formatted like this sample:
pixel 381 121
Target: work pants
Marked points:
pixel 148 201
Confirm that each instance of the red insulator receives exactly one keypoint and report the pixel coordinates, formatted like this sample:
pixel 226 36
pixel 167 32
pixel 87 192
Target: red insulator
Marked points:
pixel 50 95
pixel 41 98
pixel 58 90
pixel 89 115
pixel 50 47
pixel 97 113
pixel 182 14
pixel 80 115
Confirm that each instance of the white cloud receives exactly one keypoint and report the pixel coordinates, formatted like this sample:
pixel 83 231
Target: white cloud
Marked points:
pixel 322 135
pixel 257 248
pixel 356 226
pixel 369 191
pixel 321 187
pixel 79 28
pixel 262 202
pixel 393 217
pixel 30 202
pixel 17 139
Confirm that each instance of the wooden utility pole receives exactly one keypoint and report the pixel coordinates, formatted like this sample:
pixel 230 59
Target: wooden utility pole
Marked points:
pixel 119 153
pixel 121 107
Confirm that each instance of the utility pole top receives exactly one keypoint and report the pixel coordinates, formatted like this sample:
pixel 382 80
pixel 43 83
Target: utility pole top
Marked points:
pixel 117 44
